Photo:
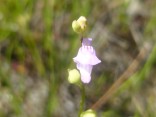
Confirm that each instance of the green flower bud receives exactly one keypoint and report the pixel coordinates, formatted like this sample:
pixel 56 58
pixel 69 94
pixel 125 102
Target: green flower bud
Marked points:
pixel 76 27
pixel 74 76
pixel 83 22
pixel 88 113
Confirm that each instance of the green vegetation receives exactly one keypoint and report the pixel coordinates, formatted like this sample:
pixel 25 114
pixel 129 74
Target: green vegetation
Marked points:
pixel 37 45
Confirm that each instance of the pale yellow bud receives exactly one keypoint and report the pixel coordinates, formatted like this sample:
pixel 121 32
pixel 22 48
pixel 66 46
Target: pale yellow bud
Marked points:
pixel 76 27
pixel 74 76
pixel 83 22
pixel 88 113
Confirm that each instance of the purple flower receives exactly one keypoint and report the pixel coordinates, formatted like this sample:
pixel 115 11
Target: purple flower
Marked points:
pixel 85 60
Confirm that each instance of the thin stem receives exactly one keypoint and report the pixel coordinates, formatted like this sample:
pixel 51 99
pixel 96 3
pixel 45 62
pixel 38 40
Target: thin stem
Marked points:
pixel 81 38
pixel 82 100
pixel 82 35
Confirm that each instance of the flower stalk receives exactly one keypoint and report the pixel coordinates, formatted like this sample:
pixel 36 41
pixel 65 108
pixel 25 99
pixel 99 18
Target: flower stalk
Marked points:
pixel 82 102
pixel 85 60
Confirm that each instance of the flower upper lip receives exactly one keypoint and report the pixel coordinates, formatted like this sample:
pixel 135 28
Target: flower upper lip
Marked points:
pixel 86 54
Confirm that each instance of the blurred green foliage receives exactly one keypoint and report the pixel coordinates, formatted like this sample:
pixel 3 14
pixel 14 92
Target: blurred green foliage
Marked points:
pixel 36 39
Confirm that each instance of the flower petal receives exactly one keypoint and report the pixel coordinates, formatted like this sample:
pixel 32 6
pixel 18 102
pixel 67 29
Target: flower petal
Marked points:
pixel 86 55
pixel 85 71
pixel 85 60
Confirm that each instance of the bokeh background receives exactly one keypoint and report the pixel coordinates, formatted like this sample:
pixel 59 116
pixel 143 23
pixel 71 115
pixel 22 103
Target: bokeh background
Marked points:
pixel 37 45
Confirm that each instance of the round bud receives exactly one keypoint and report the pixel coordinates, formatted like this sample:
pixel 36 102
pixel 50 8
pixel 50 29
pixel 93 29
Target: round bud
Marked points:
pixel 88 113
pixel 74 76
pixel 83 22
pixel 76 27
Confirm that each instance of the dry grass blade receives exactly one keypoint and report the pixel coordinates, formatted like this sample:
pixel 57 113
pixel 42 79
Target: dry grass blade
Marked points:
pixel 129 71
